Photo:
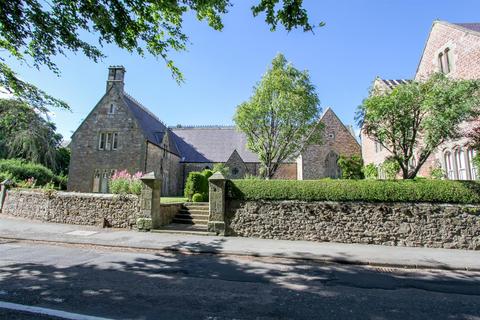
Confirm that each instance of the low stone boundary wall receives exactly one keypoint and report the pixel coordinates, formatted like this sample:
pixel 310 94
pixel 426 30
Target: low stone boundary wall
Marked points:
pixel 74 208
pixel 165 215
pixel 396 224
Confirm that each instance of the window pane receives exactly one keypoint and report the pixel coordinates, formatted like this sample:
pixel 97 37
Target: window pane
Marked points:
pixel 115 141
pixel 460 164
pixel 447 60
pixel 108 146
pixel 101 144
pixel 440 63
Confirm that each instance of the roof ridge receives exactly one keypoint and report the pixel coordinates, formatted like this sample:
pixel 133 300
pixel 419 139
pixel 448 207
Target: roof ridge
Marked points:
pixel 144 108
pixel 202 126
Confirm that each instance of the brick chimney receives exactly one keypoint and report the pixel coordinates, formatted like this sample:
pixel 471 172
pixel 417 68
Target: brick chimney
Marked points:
pixel 116 75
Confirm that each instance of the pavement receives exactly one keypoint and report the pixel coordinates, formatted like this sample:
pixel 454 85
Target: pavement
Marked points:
pixel 357 254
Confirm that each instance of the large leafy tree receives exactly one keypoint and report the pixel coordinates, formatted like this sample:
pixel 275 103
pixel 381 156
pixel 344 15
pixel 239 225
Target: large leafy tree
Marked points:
pixel 26 134
pixel 35 31
pixel 281 117
pixel 415 118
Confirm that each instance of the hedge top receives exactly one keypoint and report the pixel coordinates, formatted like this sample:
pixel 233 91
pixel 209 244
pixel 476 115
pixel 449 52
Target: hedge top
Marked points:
pixel 434 191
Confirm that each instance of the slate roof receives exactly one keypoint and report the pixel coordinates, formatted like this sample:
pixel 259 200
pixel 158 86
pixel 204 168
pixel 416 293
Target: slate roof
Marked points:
pixel 470 26
pixel 211 144
pixel 393 83
pixel 153 129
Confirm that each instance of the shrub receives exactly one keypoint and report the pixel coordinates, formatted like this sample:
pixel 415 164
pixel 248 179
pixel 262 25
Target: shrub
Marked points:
pixel 370 171
pixel 196 183
pixel 207 173
pixel 249 176
pixel 123 182
pixel 21 170
pixel 351 167
pixel 426 190
pixel 437 173
pixel 390 168
pixel 197 197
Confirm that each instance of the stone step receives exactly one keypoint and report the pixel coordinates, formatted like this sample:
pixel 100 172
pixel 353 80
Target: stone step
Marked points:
pixel 196 205
pixel 189 211
pixel 190 221
pixel 191 216
pixel 184 229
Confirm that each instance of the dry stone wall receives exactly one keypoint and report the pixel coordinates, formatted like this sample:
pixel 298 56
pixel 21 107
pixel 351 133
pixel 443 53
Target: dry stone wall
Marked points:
pixel 396 224
pixel 73 208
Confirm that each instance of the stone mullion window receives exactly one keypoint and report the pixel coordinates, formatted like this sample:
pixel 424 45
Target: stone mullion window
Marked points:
pixel 108 141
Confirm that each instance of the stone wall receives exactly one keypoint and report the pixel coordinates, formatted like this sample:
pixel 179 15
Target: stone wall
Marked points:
pixel 397 224
pixel 73 208
pixel 165 215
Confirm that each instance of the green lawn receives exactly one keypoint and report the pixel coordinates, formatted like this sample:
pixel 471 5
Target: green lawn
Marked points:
pixel 173 199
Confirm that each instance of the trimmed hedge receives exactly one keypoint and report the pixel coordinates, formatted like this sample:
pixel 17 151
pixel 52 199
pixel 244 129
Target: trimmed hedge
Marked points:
pixel 435 191
pixel 21 170
pixel 196 183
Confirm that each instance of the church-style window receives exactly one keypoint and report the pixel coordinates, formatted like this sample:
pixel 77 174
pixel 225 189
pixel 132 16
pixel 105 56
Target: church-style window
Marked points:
pixel 115 141
pixel 331 136
pixel 440 62
pixel 447 60
pixel 108 145
pixel 101 142
pixel 111 110
pixel 108 141
pixel 235 171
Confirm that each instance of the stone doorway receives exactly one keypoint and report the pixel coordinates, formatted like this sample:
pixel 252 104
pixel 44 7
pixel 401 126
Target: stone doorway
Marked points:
pixel 332 170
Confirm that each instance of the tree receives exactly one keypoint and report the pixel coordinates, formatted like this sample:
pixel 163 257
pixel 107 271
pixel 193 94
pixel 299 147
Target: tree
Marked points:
pixel 25 134
pixel 415 118
pixel 281 117
pixel 34 31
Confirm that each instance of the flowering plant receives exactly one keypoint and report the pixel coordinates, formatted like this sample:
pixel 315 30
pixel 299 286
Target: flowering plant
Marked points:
pixel 29 183
pixel 123 182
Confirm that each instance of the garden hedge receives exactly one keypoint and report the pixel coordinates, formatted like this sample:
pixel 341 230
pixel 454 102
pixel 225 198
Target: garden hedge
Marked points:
pixel 422 190
pixel 20 170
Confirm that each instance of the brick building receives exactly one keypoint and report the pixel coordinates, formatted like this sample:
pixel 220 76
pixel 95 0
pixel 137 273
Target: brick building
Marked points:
pixel 453 49
pixel 121 134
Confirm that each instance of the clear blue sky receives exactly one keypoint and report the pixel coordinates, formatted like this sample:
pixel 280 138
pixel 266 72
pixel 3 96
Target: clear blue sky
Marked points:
pixel 361 39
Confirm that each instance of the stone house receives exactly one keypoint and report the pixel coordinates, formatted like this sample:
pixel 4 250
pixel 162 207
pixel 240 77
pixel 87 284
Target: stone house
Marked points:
pixel 320 160
pixel 453 49
pixel 121 134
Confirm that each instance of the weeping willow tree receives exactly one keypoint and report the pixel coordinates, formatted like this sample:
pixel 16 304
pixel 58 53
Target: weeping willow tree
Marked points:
pixel 26 134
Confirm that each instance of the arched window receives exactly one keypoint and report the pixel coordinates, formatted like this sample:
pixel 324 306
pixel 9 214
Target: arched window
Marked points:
pixel 446 55
pixel 460 164
pixel 440 62
pixel 473 171
pixel 449 165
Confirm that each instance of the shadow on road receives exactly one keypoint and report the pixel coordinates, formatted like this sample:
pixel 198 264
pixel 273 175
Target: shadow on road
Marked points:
pixel 174 285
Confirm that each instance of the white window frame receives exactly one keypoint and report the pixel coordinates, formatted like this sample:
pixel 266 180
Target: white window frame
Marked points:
pixel 460 164
pixel 449 165
pixel 471 153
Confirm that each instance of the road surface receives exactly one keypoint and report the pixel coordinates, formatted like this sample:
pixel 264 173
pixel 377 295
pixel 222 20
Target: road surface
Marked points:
pixel 92 282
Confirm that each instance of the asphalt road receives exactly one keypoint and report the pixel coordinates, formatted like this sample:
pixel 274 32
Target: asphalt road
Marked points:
pixel 157 285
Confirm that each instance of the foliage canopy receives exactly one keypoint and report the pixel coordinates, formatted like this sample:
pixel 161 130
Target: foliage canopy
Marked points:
pixel 281 117
pixel 415 118
pixel 34 32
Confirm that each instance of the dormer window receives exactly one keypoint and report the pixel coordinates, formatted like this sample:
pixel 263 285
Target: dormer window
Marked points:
pixel 111 110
